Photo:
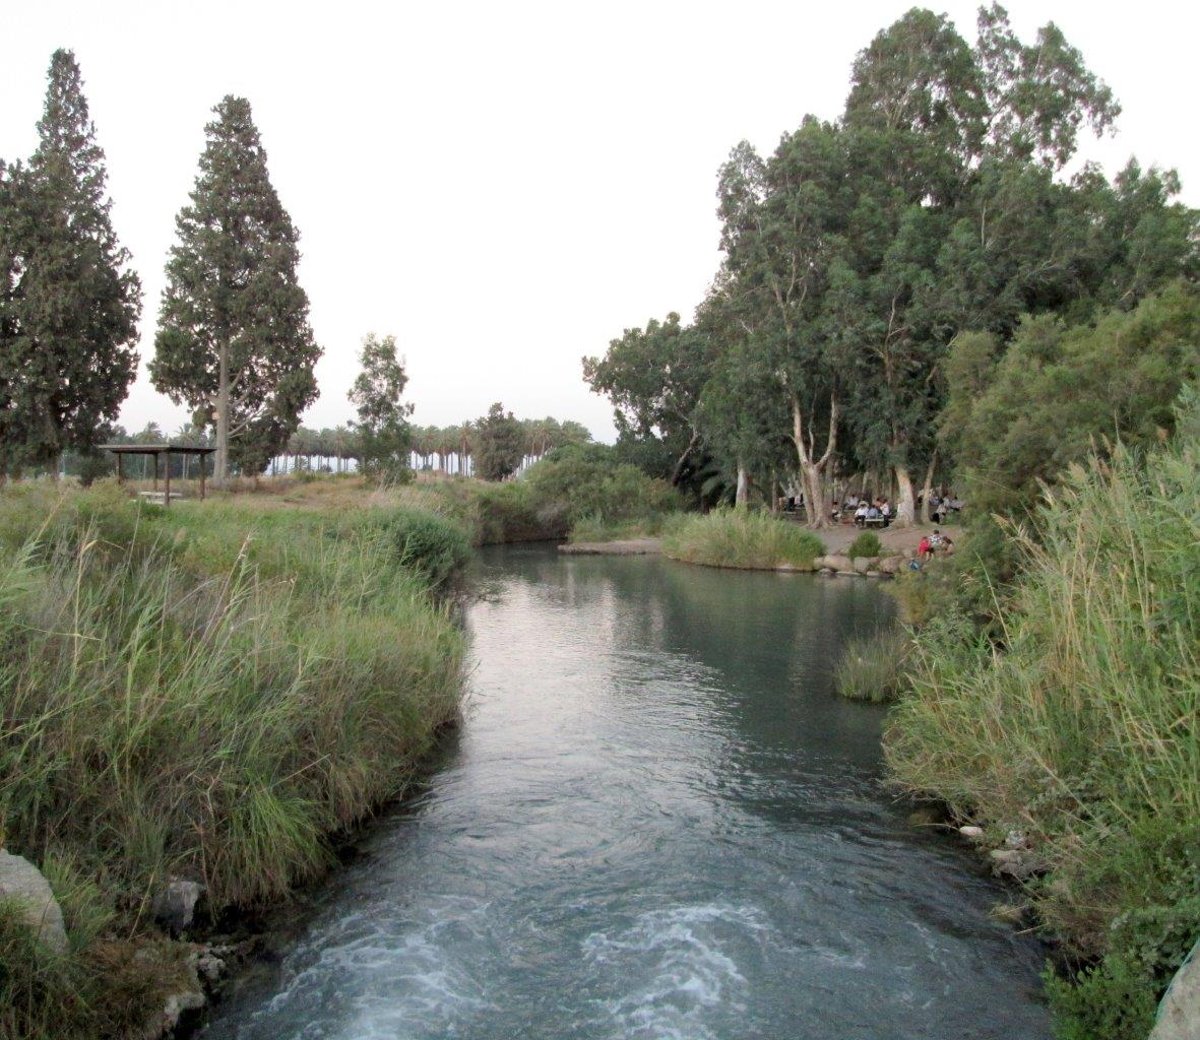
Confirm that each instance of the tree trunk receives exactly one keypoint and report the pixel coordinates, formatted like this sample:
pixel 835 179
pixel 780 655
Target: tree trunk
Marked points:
pixel 812 468
pixel 905 514
pixel 221 467
pixel 742 497
pixel 678 471
pixel 927 488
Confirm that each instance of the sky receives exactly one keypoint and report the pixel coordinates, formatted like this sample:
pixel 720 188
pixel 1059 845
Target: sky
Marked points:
pixel 504 186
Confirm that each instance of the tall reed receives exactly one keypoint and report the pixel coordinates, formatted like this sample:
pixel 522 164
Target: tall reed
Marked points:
pixel 740 538
pixel 1082 729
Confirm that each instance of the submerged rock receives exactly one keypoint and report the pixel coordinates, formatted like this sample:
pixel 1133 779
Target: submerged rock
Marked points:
pixel 23 884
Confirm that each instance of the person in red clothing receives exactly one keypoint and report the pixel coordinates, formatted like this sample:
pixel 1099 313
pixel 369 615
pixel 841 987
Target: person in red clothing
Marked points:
pixel 923 548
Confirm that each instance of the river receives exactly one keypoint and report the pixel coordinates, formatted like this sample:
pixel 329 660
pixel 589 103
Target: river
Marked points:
pixel 657 821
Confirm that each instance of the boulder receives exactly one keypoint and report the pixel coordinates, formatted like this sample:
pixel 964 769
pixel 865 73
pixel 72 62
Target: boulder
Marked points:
pixel 972 832
pixel 890 564
pixel 841 564
pixel 175 905
pixel 23 884
pixel 862 564
pixel 1179 1012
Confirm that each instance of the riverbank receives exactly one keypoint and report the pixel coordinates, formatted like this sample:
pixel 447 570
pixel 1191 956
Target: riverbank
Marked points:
pixel 197 700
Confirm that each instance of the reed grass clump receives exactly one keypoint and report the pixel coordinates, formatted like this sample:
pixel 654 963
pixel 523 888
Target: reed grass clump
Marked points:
pixel 1081 728
pixel 872 667
pixel 740 538
pixel 210 691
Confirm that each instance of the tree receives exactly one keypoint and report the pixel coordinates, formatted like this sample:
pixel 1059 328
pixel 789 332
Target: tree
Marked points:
pixel 69 306
pixel 383 428
pixel 654 379
pixel 233 335
pixel 499 444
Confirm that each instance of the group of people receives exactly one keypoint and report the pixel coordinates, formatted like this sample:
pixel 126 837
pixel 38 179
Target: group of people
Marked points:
pixel 942 504
pixel 934 543
pixel 866 512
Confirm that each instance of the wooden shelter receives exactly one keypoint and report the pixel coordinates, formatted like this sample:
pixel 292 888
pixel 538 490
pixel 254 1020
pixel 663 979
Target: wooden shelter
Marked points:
pixel 156 451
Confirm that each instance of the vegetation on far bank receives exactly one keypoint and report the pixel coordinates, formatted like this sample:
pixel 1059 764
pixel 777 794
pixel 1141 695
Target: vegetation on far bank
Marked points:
pixel 209 692
pixel 740 538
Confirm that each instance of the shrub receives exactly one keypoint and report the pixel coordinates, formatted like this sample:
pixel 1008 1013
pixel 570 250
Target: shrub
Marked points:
pixel 431 544
pixel 866 544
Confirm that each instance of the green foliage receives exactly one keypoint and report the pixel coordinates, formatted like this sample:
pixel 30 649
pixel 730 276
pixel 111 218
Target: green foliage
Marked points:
pixel 1079 726
pixel 872 667
pixel 383 430
pixel 233 339
pixel 209 690
pixel 588 481
pixel 867 543
pixel 499 444
pixel 1110 1001
pixel 1060 391
pixel 740 538
pixel 430 544
pixel 69 305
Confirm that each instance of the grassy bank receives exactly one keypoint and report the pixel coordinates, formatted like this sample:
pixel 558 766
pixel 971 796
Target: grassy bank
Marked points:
pixel 207 692
pixel 1079 729
pixel 740 538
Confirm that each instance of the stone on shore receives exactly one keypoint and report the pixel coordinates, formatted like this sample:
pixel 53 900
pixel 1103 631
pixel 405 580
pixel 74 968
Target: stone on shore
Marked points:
pixel 840 564
pixel 175 905
pixel 24 885
pixel 1179 1012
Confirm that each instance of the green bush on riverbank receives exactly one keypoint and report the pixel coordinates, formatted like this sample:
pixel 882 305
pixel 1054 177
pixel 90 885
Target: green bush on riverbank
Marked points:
pixel 209 691
pixel 740 538
pixel 1081 729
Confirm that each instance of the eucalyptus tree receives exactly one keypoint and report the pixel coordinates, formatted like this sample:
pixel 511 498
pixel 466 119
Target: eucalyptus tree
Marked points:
pixel 782 228
pixel 69 304
pixel 233 338
pixel 654 378
pixel 951 141
pixel 385 435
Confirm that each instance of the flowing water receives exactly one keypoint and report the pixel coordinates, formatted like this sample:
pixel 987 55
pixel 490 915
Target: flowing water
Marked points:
pixel 656 822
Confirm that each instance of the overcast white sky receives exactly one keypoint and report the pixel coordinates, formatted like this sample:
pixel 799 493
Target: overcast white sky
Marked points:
pixel 504 186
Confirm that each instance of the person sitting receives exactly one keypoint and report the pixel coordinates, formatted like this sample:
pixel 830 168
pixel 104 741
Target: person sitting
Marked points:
pixel 860 514
pixel 885 511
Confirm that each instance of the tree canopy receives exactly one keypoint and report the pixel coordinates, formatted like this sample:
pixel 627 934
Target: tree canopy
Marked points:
pixel 234 341
pixel 69 304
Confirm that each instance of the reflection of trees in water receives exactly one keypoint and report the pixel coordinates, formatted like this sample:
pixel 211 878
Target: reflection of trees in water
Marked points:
pixel 771 640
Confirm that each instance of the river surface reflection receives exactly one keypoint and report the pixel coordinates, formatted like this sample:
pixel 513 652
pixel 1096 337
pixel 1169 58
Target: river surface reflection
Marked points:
pixel 657 822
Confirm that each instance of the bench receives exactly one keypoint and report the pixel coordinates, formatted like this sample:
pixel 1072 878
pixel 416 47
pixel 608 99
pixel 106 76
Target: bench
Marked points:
pixel 159 497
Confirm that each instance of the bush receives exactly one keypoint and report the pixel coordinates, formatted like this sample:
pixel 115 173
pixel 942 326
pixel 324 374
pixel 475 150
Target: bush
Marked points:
pixel 434 546
pixel 740 538
pixel 866 544
pixel 579 482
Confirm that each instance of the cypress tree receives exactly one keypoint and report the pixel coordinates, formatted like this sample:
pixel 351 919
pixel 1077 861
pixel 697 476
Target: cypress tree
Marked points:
pixel 68 304
pixel 233 337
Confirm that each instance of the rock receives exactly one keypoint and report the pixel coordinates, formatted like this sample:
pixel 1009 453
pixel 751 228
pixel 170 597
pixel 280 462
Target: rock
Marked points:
pixel 891 564
pixel 22 883
pixel 861 564
pixel 208 966
pixel 1016 840
pixel 972 832
pixel 841 564
pixel 1014 863
pixel 1179 1012
pixel 175 905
